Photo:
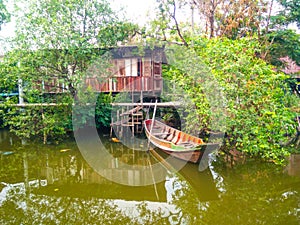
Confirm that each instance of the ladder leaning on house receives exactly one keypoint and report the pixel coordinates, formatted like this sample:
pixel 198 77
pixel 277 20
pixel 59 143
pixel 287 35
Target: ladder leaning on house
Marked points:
pixel 130 118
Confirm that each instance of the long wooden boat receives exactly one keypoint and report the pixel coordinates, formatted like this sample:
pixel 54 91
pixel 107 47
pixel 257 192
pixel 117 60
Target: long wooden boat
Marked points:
pixel 175 142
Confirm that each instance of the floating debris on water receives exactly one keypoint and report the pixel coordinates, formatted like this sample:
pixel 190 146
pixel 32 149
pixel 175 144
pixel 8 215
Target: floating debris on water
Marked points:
pixel 7 153
pixel 115 140
pixel 65 150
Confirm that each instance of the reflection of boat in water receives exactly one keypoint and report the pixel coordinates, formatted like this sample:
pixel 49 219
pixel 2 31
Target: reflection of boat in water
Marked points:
pixel 201 182
pixel 175 142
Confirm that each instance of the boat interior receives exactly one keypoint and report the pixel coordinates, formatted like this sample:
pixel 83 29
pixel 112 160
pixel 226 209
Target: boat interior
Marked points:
pixel 179 138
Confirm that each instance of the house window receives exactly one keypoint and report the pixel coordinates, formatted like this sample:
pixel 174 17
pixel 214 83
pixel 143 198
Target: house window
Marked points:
pixel 147 67
pixel 128 67
pixel 131 67
pixel 140 67
pixel 121 67
pixel 134 65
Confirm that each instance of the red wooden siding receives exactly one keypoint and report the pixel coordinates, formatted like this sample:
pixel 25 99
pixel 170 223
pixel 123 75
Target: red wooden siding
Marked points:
pixel 120 84
pixel 129 73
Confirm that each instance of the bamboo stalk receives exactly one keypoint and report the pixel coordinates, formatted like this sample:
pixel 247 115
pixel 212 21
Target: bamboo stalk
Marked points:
pixel 152 123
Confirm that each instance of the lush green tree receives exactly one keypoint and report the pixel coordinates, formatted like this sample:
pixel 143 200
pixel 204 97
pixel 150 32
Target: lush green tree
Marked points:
pixel 290 12
pixel 282 43
pixel 58 43
pixel 256 107
pixel 166 22
pixel 68 36
pixel 278 41
pixel 4 14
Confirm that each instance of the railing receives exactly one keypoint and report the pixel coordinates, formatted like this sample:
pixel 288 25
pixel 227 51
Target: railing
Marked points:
pixel 114 84
pixel 122 83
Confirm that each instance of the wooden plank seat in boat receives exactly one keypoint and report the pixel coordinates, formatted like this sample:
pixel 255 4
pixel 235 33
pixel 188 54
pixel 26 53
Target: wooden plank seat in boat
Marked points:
pixel 162 135
pixel 186 144
pixel 171 136
pixel 176 137
pixel 156 127
pixel 156 130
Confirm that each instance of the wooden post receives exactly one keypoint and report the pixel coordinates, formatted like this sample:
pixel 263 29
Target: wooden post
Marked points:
pixel 26 177
pixel 118 120
pixel 142 91
pixel 121 125
pixel 133 124
pixel 153 179
pixel 152 123
pixel 44 132
pixel 111 127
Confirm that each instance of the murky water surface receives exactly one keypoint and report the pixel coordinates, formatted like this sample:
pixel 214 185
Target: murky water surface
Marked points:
pixel 58 184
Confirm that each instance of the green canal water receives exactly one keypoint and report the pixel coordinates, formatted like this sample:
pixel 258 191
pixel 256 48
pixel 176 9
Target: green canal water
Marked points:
pixel 60 184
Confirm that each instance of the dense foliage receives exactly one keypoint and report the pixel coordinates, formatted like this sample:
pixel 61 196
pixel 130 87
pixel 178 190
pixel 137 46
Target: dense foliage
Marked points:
pixel 284 43
pixel 56 46
pixel 290 12
pixel 256 101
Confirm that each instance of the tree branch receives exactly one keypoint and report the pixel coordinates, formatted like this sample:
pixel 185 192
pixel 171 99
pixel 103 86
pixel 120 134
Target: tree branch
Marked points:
pixel 177 25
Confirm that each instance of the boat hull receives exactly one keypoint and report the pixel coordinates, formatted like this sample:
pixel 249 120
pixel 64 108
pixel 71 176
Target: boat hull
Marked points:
pixel 190 156
pixel 181 145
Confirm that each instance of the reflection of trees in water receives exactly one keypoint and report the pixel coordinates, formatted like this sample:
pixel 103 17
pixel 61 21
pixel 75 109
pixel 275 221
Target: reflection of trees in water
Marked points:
pixel 71 200
pixel 253 193
pixel 20 208
pixel 252 196
pixel 186 200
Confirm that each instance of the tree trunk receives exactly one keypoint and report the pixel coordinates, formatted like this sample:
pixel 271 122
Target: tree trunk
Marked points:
pixel 212 28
